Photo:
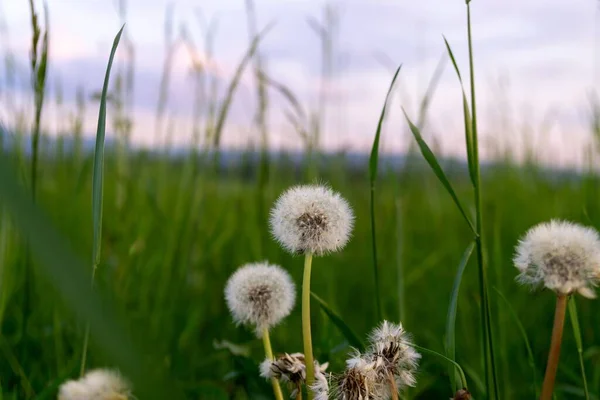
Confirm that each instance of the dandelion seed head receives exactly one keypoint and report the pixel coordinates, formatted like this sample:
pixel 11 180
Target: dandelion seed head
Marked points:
pixel 311 218
pixel 320 387
pixel 561 256
pixel 359 381
pixel 100 384
pixel 291 368
pixel 392 349
pixel 260 295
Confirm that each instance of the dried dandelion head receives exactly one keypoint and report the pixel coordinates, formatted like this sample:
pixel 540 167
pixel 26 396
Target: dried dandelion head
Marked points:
pixel 100 384
pixel 311 219
pixel 561 256
pixel 260 295
pixel 394 355
pixel 291 368
pixel 359 381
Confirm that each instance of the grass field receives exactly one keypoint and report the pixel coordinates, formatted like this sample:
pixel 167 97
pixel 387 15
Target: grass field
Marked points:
pixel 174 228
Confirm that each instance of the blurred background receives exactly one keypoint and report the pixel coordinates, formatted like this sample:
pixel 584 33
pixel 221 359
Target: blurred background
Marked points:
pixel 215 107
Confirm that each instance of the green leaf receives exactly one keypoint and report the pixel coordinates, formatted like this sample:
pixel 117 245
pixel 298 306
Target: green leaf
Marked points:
pixel 523 332
pixel 577 334
pixel 352 338
pixel 467 119
pixel 373 163
pixel 451 316
pixel 98 174
pixel 437 169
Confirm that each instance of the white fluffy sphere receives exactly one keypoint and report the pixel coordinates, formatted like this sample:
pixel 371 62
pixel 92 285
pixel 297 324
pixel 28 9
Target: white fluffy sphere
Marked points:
pixel 100 384
pixel 260 295
pixel 561 256
pixel 311 218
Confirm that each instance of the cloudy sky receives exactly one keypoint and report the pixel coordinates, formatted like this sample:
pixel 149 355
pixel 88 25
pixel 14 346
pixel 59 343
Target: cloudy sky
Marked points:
pixel 534 61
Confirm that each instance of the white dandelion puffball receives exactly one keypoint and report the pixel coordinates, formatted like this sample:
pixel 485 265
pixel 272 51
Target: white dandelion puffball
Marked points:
pixel 394 354
pixel 311 219
pixel 100 384
pixel 260 295
pixel 561 256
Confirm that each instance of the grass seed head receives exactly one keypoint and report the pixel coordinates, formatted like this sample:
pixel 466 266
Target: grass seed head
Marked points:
pixel 260 295
pixel 561 256
pixel 100 384
pixel 311 218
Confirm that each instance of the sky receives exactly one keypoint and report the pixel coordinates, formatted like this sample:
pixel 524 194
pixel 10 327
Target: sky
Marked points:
pixel 534 61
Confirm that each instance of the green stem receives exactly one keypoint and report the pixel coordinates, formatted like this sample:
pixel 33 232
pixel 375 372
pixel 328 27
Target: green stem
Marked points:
pixel 486 320
pixel 306 335
pixel 269 355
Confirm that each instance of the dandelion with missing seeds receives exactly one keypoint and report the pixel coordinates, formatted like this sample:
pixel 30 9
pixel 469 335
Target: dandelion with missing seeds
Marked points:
pixel 261 295
pixel 565 258
pixel 311 220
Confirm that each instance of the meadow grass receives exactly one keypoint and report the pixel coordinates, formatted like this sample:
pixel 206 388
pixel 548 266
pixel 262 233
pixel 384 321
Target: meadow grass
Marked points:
pixel 174 230
pixel 190 329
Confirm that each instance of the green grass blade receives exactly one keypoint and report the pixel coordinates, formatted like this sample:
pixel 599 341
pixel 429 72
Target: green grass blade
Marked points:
pixel 486 313
pixel 98 184
pixel 344 329
pixel 451 316
pixel 467 117
pixel 70 278
pixel 431 88
pixel 437 169
pixel 577 334
pixel 225 105
pixel 523 332
pixel 98 169
pixel 373 163
pixel 461 373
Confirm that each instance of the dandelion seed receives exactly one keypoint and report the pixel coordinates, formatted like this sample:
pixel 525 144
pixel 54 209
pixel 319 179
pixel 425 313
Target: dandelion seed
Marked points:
pixel 561 256
pixel 311 219
pixel 101 384
pixel 260 295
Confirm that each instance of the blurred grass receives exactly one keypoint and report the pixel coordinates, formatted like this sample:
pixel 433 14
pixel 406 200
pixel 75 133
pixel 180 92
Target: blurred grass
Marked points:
pixel 208 245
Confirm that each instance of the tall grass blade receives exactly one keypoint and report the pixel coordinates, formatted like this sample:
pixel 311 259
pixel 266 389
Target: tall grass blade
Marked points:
pixel 486 314
pixel 373 163
pixel 225 105
pixel 577 334
pixel 344 329
pixel 451 316
pixel 523 332
pixel 466 117
pixel 461 373
pixel 67 274
pixel 437 169
pixel 98 183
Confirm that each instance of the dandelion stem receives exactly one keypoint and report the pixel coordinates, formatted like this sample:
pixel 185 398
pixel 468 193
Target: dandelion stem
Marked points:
pixel 306 335
pixel 393 387
pixel 554 353
pixel 269 355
